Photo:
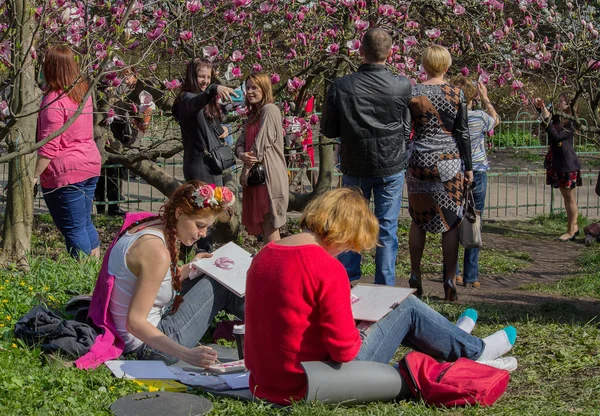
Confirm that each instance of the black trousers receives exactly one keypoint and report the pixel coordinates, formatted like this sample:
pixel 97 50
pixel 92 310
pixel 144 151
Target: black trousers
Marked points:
pixel 109 183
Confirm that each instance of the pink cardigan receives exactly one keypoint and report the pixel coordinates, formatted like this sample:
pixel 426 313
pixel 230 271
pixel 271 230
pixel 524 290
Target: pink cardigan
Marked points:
pixel 74 154
pixel 108 345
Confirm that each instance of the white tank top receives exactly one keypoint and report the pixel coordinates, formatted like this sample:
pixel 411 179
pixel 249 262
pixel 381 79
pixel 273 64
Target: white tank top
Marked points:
pixel 122 292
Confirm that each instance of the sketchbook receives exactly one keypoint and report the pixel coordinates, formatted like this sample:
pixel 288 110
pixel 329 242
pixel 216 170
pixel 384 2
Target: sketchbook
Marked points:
pixel 133 369
pixel 373 302
pixel 228 265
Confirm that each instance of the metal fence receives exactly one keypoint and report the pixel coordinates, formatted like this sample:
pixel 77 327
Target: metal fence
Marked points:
pixel 512 193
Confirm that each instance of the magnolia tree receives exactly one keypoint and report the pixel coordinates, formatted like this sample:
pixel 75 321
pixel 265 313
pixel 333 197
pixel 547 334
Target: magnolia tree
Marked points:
pixel 518 48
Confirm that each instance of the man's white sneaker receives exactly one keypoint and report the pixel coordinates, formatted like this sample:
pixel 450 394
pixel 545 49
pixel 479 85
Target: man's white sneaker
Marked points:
pixel 503 363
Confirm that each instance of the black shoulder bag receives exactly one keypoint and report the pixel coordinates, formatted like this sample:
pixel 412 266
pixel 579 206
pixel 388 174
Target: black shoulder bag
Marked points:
pixel 220 157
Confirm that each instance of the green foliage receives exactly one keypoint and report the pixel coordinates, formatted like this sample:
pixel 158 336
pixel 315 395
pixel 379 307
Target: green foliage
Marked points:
pixel 514 138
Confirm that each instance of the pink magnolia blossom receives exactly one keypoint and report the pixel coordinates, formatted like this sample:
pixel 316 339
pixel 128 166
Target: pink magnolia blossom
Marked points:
pixel 458 10
pixel 333 49
pixel 5 110
pixel 110 116
pixel 291 55
pixel 210 52
pixel 517 85
pixel 386 10
pixel 134 27
pixel 193 6
pixel 361 25
pixel 99 21
pixel 265 8
pixel 172 85
pixel 593 64
pixel 314 119
pixel 412 25
pixel 353 45
pixel 275 78
pixel 256 67
pixel 484 78
pixel 230 16
pixel 410 41
pixel 186 35
pixel 146 102
pixel 237 56
pixel 499 34
pixel 154 34
pixel 465 71
pixel 259 55
pixel 433 33
pixel 241 3
pixel 294 84
pixel 348 3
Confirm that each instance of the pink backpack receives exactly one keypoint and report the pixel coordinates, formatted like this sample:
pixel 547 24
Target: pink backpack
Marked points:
pixel 452 384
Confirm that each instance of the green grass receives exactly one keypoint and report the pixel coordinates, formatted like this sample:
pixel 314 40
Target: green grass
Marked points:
pixel 492 261
pixel 558 348
pixel 585 284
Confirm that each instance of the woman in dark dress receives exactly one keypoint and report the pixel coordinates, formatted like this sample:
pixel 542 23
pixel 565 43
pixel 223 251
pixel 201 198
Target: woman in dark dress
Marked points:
pixel 562 165
pixel 199 117
pixel 439 166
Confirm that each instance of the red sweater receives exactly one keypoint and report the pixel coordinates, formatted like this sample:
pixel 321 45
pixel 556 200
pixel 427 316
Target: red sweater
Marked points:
pixel 297 309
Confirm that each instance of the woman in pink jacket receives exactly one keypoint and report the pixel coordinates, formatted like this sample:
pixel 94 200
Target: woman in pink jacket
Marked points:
pixel 68 166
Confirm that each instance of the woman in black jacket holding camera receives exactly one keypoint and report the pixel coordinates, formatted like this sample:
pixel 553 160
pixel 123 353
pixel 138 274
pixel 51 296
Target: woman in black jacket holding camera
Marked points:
pixel 199 117
pixel 562 165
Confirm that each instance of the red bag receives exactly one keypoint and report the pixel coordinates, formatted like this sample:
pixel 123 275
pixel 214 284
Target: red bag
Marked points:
pixel 452 384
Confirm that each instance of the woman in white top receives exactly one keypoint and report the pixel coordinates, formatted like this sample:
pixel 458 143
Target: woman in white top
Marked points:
pixel 157 310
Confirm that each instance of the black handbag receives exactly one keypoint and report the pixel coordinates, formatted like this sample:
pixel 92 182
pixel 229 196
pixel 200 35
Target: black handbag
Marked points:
pixel 257 175
pixel 219 159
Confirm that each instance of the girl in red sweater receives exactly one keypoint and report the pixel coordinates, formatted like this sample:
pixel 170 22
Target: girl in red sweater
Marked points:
pixel 298 306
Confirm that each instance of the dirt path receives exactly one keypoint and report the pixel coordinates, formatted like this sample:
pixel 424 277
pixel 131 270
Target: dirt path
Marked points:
pixel 551 262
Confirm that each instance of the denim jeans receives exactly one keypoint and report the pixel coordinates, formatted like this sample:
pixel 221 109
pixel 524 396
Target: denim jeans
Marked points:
pixel 203 298
pixel 71 209
pixel 387 192
pixel 471 257
pixel 415 325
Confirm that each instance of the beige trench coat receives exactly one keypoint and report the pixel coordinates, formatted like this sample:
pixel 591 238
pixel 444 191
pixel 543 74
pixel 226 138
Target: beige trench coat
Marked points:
pixel 268 148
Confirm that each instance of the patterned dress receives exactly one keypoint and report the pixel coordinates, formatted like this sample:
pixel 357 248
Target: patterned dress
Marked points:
pixel 435 168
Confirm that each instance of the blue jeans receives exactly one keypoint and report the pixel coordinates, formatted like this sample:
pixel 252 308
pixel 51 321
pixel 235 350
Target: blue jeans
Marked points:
pixel 387 192
pixel 417 326
pixel 471 259
pixel 71 209
pixel 203 298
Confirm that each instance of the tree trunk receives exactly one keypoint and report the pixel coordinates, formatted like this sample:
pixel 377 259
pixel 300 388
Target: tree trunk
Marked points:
pixel 18 219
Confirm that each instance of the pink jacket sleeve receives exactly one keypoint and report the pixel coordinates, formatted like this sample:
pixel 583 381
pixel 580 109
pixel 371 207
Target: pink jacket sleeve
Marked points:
pixel 51 119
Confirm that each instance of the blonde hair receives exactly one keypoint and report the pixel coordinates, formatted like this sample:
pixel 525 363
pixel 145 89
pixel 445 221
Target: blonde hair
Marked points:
pixel 436 60
pixel 341 217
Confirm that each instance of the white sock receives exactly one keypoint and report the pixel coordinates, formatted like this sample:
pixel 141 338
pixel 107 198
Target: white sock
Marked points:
pixel 498 344
pixel 467 320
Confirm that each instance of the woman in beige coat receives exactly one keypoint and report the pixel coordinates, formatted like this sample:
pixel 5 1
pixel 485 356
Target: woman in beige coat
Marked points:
pixel 263 206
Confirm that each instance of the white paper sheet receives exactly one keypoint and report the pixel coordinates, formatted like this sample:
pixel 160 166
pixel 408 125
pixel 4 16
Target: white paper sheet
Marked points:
pixel 140 370
pixel 237 380
pixel 376 301
pixel 228 265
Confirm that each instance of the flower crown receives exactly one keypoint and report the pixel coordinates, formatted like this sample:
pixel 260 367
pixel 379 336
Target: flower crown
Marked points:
pixel 208 196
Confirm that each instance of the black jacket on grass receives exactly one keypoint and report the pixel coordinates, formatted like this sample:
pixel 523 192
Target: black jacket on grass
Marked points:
pixel 368 111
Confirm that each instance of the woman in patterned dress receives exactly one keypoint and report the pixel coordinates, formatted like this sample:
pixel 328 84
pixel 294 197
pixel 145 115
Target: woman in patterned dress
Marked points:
pixel 439 166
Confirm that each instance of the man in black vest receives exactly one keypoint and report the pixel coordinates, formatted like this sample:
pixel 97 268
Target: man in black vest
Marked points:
pixel 368 111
